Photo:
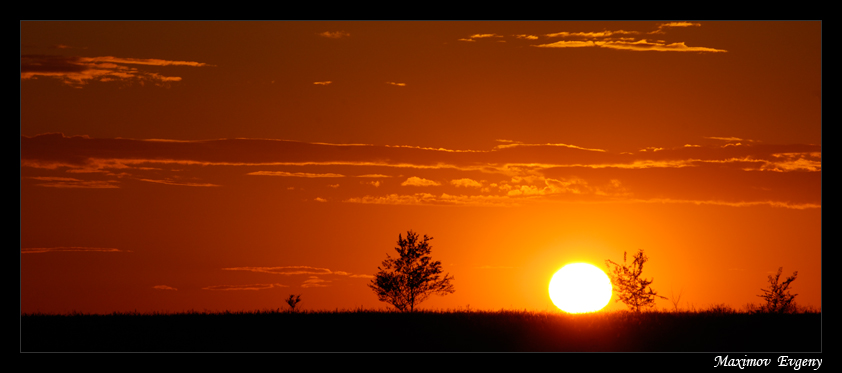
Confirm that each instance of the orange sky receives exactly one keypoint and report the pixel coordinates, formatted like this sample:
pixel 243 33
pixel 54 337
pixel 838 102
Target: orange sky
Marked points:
pixel 170 166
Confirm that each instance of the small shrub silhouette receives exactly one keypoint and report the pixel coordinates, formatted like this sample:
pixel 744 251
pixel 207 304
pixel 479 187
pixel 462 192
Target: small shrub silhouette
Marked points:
pixel 292 301
pixel 777 296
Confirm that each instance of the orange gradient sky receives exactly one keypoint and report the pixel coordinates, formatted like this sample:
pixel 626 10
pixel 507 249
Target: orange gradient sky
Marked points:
pixel 172 166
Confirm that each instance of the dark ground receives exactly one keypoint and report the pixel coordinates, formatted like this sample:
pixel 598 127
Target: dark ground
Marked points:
pixel 371 331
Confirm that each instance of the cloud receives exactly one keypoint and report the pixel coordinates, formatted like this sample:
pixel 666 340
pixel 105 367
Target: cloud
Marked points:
pixel 285 270
pixel 244 287
pixel 292 174
pixel 465 182
pixel 568 44
pixel 805 161
pixel 475 37
pixel 319 199
pixel 511 172
pixel 417 181
pixel 41 250
pixel 639 45
pixel 129 158
pixel 645 45
pixel 181 183
pixel 430 199
pixel 726 138
pixel 69 182
pixel 314 282
pixel 779 204
pixel 395 199
pixel 597 34
pixel 663 26
pixel 164 287
pixel 396 84
pixel 512 144
pixel 326 82
pixel 295 270
pixel 625 40
pixel 334 34
pixel 78 71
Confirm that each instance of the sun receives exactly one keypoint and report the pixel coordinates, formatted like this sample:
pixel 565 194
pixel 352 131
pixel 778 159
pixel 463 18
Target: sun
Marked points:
pixel 580 287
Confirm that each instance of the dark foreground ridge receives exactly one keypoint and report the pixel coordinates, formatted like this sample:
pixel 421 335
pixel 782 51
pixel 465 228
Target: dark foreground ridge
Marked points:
pixel 426 331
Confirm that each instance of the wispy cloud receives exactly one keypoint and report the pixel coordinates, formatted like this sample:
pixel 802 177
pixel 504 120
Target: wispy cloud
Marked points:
pixel 442 199
pixel 315 282
pixel 41 250
pixel 292 174
pixel 334 34
pixel 726 138
pixel 512 144
pixel 396 84
pixel 476 37
pixel 636 45
pixel 284 270
pixel 668 25
pixel 417 181
pixel 544 172
pixel 69 182
pixel 526 37
pixel 294 270
pixel 78 71
pixel 646 45
pixel 396 199
pixel 313 274
pixel 779 204
pixel 375 183
pixel 630 40
pixel 465 182
pixel 180 183
pixel 591 34
pixel 243 287
pixel 164 287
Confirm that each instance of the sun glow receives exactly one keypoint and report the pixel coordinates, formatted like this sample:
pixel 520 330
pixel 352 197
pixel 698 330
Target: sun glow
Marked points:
pixel 580 287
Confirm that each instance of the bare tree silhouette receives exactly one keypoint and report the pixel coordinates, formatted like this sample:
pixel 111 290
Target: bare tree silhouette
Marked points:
pixel 629 284
pixel 777 296
pixel 411 278
pixel 675 299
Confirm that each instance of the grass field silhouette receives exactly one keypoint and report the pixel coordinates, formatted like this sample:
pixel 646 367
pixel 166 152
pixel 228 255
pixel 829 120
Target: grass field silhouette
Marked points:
pixel 715 329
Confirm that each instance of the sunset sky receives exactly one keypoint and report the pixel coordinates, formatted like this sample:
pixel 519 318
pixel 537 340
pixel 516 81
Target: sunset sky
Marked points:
pixel 173 166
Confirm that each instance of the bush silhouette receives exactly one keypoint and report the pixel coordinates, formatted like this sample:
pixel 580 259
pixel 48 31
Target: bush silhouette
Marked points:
pixel 292 301
pixel 777 296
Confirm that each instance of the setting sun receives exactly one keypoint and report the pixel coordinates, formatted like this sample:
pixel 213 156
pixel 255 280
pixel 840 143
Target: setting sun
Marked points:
pixel 580 287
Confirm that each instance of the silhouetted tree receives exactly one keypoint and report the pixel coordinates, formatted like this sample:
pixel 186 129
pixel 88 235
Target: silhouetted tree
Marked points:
pixel 675 299
pixel 777 296
pixel 292 301
pixel 411 278
pixel 629 285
